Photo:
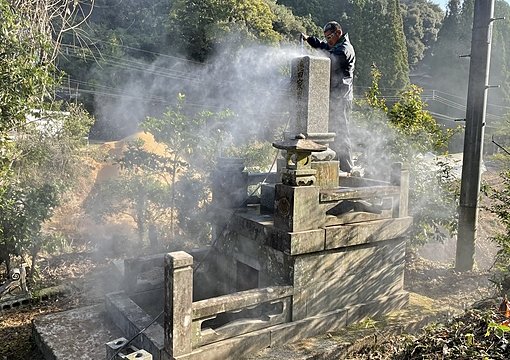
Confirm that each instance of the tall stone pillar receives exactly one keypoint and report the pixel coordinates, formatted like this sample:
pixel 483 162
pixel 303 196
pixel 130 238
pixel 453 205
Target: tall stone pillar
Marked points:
pixel 310 78
pixel 310 87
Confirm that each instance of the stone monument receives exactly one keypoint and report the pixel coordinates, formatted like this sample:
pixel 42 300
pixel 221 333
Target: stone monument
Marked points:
pixel 307 257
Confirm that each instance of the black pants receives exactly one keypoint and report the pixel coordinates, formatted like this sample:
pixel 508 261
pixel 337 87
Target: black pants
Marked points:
pixel 339 114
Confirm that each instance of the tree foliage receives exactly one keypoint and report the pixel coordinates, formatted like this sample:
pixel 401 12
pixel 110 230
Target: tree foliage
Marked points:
pixel 384 47
pixel 26 78
pixel 198 27
pixel 449 72
pixel 500 207
pixel 321 11
pixel 422 21
pixel 407 133
pixel 141 191
pixel 171 189
pixel 47 164
pixel 38 147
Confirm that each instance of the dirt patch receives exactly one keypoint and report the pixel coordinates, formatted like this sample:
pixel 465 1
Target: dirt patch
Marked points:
pixel 16 330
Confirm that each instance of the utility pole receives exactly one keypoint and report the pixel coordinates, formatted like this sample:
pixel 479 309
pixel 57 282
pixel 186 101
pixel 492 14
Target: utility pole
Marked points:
pixel 474 131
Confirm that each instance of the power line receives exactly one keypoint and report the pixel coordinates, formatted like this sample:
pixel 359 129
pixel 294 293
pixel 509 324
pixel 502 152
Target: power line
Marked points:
pixel 139 66
pixel 163 101
pixel 150 52
pixel 170 73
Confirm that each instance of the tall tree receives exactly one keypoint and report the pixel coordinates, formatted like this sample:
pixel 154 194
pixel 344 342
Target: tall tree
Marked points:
pixel 422 21
pixel 397 64
pixel 321 11
pixel 449 72
pixel 500 59
pixel 197 27
pixel 376 30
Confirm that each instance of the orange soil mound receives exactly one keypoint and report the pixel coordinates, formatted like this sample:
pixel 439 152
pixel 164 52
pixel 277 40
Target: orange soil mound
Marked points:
pixel 115 149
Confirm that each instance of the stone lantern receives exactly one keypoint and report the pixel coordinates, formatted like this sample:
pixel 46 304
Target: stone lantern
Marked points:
pixel 298 170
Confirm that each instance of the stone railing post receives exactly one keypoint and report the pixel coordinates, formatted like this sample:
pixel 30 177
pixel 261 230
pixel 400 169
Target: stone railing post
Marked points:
pixel 178 303
pixel 230 183
pixel 400 177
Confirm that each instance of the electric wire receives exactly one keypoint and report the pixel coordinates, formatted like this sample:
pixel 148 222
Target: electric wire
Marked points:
pixel 499 146
pixel 129 64
pixel 162 101
pixel 151 52
pixel 390 97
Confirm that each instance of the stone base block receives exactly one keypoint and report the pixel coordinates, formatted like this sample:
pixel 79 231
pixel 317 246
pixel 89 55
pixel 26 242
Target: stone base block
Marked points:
pixel 130 319
pixel 71 334
pixel 297 208
pixel 381 306
pixel 267 198
pixel 327 174
pixel 248 344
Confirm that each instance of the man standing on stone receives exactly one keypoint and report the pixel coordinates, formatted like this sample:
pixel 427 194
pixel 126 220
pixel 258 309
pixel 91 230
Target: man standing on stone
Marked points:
pixel 342 57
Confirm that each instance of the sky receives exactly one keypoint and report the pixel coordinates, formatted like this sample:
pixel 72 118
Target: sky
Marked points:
pixel 443 3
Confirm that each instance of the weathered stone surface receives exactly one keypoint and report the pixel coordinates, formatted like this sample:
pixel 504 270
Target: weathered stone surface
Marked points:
pixel 354 181
pixel 139 355
pixel 230 183
pixel 114 346
pixel 308 327
pixel 366 232
pixel 74 334
pixel 328 281
pixel 243 321
pixel 130 319
pixel 273 266
pixel 354 217
pixel 368 192
pixel 237 348
pixel 299 303
pixel 178 303
pixel 400 177
pixel 316 268
pixel 296 208
pixel 267 192
pixel 206 308
pixel 234 348
pixel 327 173
pixel 380 306
pixel 351 290
pixel 178 259
pixel 310 81
pixel 296 243
pixel 133 267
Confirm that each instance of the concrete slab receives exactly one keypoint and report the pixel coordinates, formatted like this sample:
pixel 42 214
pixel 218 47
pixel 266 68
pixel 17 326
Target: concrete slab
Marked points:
pixel 74 334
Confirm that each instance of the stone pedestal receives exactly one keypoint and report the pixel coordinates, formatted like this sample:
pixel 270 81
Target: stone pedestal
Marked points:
pixel 296 208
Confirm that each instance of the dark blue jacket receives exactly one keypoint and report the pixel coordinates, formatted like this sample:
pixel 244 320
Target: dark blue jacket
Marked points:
pixel 343 59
